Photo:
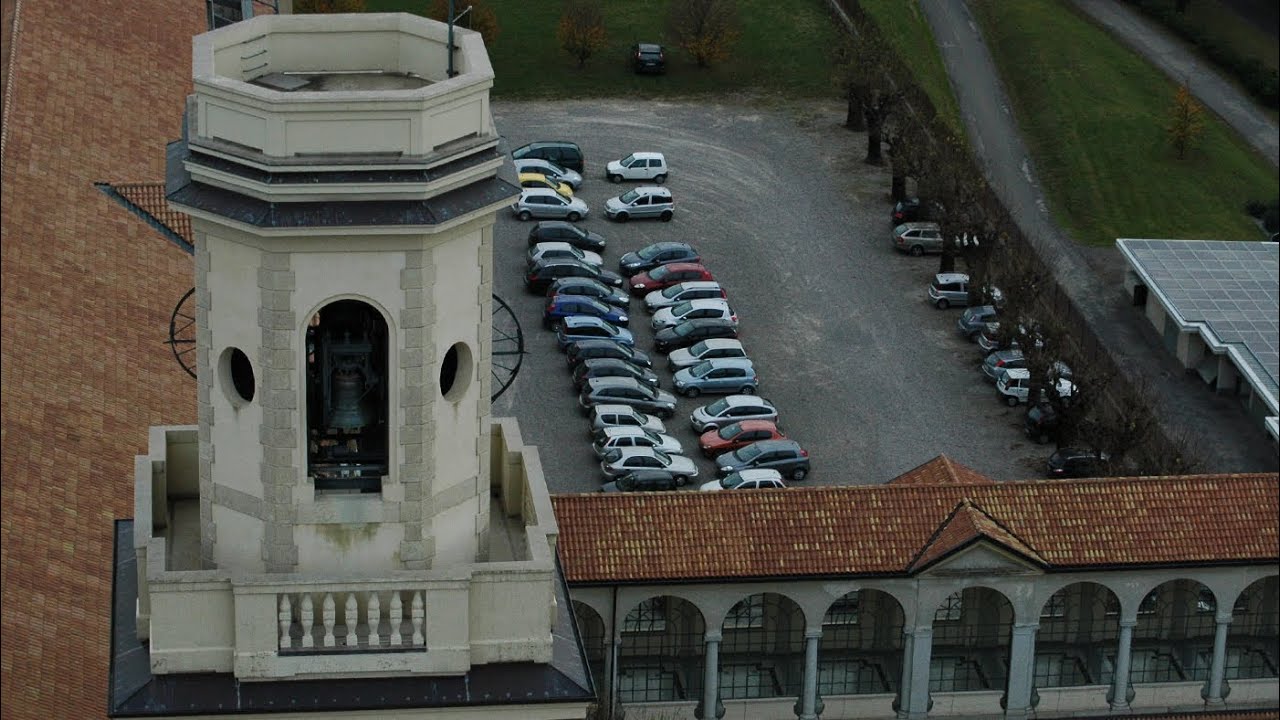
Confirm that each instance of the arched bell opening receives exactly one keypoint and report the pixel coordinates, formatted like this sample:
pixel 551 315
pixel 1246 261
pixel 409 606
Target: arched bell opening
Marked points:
pixel 347 398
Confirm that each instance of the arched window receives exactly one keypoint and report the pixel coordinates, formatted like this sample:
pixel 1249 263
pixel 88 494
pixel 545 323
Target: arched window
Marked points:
pixel 861 646
pixel 347 413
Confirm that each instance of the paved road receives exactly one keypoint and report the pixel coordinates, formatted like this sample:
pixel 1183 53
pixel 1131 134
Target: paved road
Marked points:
pixel 1179 62
pixel 1227 440
pixel 870 379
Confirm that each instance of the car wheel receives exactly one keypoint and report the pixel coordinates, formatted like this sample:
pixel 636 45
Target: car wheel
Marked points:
pixel 798 474
pixel 942 304
pixel 692 392
pixel 1011 401
pixel 615 179
pixel 666 216
pixel 525 215
pixel 660 179
pixel 916 251
pixel 748 390
pixel 574 217
pixel 681 481
pixel 622 217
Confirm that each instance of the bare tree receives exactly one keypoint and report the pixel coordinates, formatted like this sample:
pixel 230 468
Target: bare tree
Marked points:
pixel 482 18
pixel 581 30
pixel 706 29
pixel 910 152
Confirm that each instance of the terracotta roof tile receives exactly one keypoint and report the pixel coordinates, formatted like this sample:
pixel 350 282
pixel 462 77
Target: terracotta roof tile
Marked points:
pixel 149 196
pixel 942 470
pixel 882 529
pixel 968 524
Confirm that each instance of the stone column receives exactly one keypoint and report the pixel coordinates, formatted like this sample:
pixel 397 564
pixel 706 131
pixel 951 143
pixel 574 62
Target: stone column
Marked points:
pixel 903 701
pixel 1022 668
pixel 1217 670
pixel 710 705
pixel 1121 692
pixel 809 700
pixel 921 654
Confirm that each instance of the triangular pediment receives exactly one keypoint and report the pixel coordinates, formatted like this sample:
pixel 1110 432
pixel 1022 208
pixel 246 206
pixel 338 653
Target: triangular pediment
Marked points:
pixel 982 557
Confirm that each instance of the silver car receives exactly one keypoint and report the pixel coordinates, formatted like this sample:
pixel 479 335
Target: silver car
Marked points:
pixel 642 202
pixel 544 203
pixel 731 409
pixel 561 251
pixel 683 292
pixel 613 438
pixel 706 350
pixel 726 375
pixel 624 460
pixel 676 314
pixel 551 170
pixel 613 415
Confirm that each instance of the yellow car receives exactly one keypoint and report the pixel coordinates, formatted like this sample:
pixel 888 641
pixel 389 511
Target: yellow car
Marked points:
pixel 538 180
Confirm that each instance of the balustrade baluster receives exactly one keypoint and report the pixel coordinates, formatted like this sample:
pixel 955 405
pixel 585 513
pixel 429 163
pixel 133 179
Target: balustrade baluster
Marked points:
pixel 350 618
pixel 416 614
pixel 397 618
pixel 373 618
pixel 308 621
pixel 328 610
pixel 286 619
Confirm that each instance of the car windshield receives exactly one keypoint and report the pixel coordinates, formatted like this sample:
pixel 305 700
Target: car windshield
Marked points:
pixel 555 168
pixel 748 453
pixel 649 252
pixel 595 305
pixel 629 196
pixel 701 369
pixel 698 349
pixel 717 407
pixel 731 481
pixel 663 458
pixel 682 309
pixel 728 431
pixel 627 160
pixel 652 436
pixel 659 272
pixel 672 291
pixel 684 328
pixel 613 456
pixel 626 482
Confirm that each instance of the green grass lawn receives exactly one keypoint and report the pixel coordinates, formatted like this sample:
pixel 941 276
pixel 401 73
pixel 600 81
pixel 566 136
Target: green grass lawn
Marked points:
pixel 903 26
pixel 1094 115
pixel 783 48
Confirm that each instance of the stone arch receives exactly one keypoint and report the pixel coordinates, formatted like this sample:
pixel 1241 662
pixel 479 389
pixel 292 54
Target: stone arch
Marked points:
pixel 1078 632
pixel 595 639
pixel 660 653
pixel 762 648
pixel 348 386
pixel 861 647
pixel 972 631
pixel 1253 641
pixel 1173 637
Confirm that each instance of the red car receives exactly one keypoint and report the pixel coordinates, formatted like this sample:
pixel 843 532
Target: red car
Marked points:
pixel 738 435
pixel 664 276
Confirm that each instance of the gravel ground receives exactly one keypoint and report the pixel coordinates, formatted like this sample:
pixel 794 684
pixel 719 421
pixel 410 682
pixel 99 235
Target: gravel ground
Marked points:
pixel 867 376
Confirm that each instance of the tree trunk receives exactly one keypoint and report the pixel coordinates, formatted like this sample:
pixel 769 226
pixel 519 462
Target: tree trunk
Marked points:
pixel 853 118
pixel 898 188
pixel 875 130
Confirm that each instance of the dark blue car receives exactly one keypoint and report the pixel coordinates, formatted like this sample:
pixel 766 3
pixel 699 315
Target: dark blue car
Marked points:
pixel 560 307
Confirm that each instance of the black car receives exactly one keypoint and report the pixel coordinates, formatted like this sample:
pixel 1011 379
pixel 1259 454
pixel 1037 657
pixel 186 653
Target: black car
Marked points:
pixel 651 256
pixel 907 210
pixel 562 231
pixel 642 481
pixel 1041 423
pixel 561 152
pixel 692 331
pixel 648 58
pixel 612 367
pixel 1075 463
pixel 545 272
pixel 591 288
pixel 785 456
pixel 583 350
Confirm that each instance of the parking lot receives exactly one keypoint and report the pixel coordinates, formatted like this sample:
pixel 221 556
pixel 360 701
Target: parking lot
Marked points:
pixel 867 376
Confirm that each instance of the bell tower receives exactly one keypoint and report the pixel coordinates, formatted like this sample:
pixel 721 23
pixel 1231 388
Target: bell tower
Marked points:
pixel 342 189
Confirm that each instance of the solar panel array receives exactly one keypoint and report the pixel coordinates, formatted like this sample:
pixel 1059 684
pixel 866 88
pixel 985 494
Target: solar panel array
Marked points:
pixel 1231 287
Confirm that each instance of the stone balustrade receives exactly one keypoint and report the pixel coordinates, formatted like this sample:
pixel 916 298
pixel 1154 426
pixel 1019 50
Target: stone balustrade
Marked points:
pixel 351 621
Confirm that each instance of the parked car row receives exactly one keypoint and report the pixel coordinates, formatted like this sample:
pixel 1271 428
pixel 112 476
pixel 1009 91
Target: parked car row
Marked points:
pixel 549 173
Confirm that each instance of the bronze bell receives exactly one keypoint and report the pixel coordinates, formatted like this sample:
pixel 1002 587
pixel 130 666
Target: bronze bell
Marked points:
pixel 348 412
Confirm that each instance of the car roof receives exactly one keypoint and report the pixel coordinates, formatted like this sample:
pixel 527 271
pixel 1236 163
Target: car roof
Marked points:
pixel 739 362
pixel 625 431
pixel 777 444
pixel 608 362
pixel 530 192
pixel 653 190
pixel 1017 373
pixel 586 343
pixel 757 425
pixel 649 473
pixel 551 245
pixel 746 400
pixel 951 277
pixel 759 474
pixel 648 47
pixel 604 382
pixel 554 224
pixel 697 284
pixel 708 302
pixel 919 226
pixel 533 176
pixel 709 322
pixel 544 143
pixel 550 262
pixel 615 408
pixel 664 244
pixel 690 265
pixel 583 320
pixel 720 343
pixel 559 298
pixel 645 153
pixel 633 451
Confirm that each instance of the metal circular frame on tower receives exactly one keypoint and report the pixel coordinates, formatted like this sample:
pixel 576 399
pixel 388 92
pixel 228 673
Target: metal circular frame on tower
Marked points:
pixel 182 332
pixel 507 349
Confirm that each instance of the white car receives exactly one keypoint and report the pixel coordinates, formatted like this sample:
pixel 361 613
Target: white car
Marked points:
pixel 620 461
pixel 612 438
pixel 638 166
pixel 561 251
pixel 710 349
pixel 693 309
pixel 550 169
pixel 1014 386
pixel 683 292
pixel 613 415
pixel 749 479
